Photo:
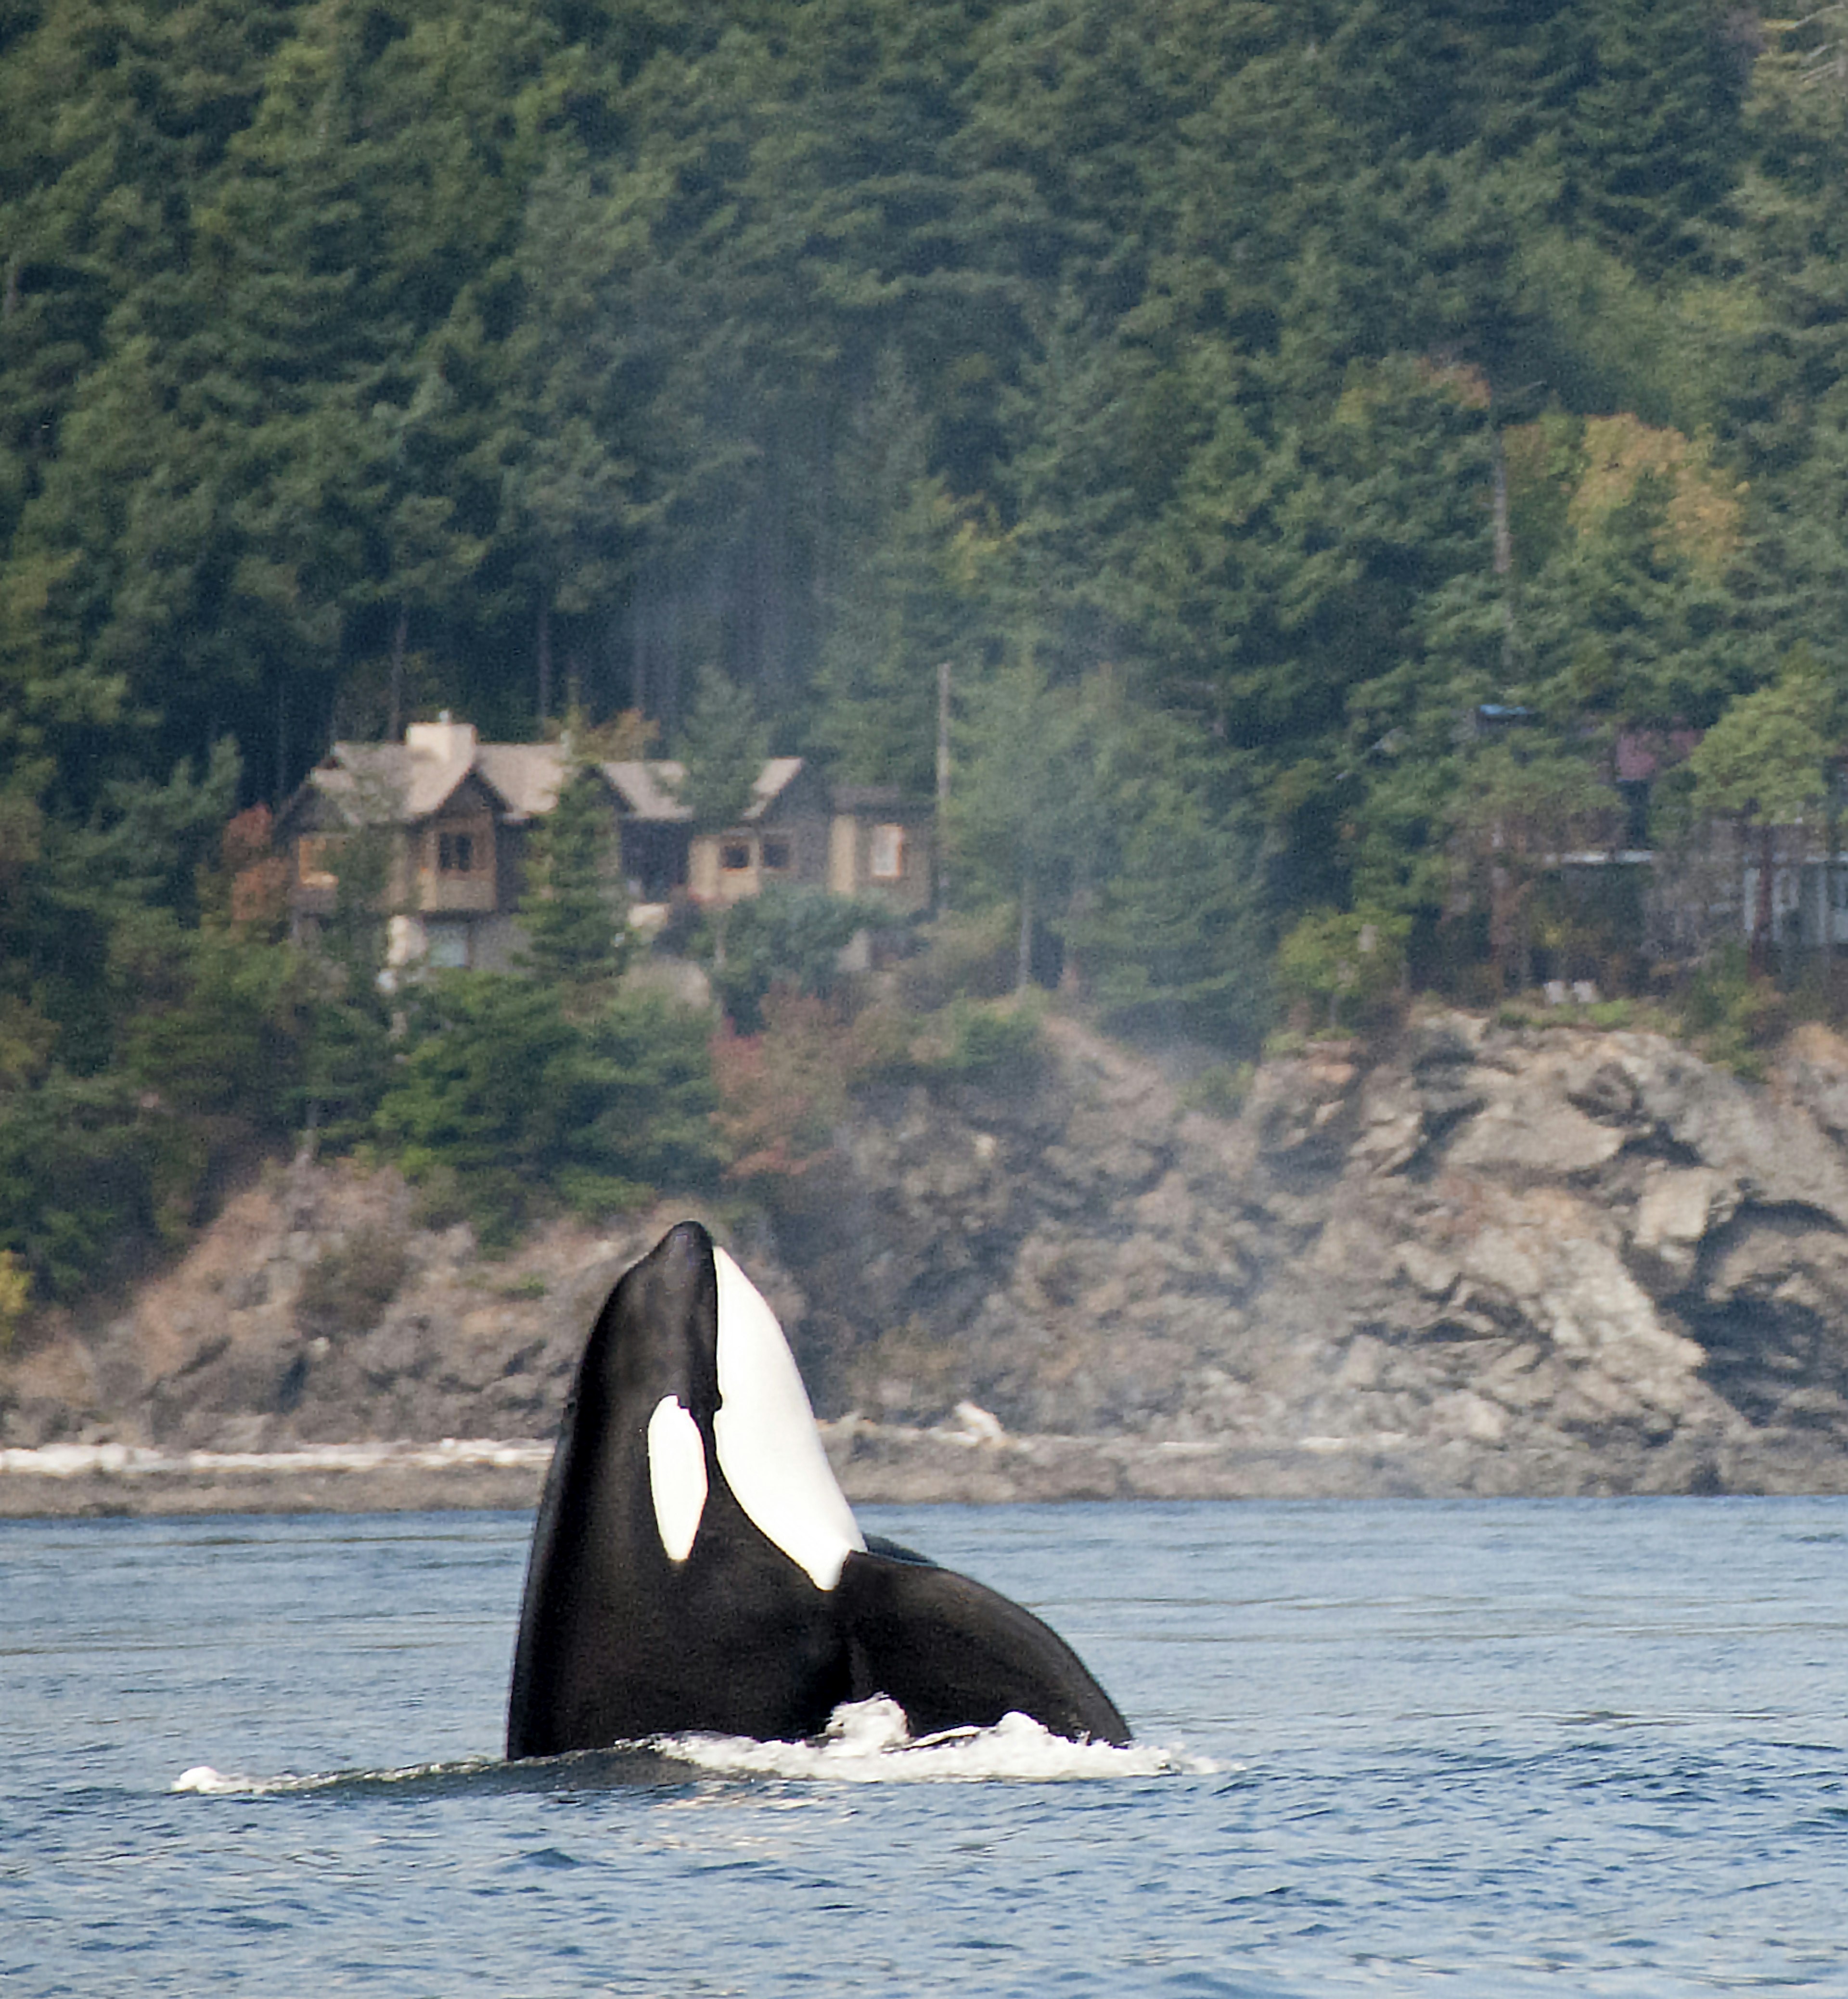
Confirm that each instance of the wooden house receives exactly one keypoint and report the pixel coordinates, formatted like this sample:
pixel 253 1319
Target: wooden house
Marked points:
pixel 456 814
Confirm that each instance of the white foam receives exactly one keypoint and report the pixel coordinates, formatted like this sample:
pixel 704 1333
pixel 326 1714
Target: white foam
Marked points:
pixel 202 1780
pixel 208 1783
pixel 769 1449
pixel 867 1743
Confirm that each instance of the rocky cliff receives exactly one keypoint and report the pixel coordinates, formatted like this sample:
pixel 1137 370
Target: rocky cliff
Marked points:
pixel 1487 1260
pixel 1481 1260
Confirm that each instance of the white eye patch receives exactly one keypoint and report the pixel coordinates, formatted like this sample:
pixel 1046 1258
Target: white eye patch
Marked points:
pixel 676 1476
pixel 769 1449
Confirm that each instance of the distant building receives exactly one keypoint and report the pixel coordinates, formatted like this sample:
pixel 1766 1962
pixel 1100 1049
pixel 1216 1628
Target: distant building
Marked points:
pixel 881 843
pixel 457 815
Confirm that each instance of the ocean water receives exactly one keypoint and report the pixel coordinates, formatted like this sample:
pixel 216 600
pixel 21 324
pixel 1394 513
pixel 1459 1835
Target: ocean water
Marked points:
pixel 1496 1749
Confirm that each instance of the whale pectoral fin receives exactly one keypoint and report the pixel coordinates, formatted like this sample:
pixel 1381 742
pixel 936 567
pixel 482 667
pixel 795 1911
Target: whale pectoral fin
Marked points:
pixel 954 1655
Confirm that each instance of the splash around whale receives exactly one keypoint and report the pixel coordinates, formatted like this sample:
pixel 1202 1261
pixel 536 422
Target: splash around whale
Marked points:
pixel 695 1568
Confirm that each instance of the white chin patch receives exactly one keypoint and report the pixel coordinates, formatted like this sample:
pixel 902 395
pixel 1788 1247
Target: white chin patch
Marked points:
pixel 676 1476
pixel 769 1449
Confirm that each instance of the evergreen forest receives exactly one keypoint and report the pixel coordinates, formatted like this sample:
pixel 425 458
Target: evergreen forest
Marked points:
pixel 1314 437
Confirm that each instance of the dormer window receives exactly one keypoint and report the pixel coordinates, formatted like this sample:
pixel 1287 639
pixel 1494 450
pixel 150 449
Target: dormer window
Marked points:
pixel 456 853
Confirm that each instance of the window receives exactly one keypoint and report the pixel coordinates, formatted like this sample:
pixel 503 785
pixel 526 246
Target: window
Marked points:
pixel 888 858
pixel 456 853
pixel 776 856
pixel 316 858
pixel 734 855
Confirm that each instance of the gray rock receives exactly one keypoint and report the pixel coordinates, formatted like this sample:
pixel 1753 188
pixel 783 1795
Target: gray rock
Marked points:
pixel 1560 1261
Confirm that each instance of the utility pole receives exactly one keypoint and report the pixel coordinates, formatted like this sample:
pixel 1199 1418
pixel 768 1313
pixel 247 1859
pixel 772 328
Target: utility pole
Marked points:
pixel 942 885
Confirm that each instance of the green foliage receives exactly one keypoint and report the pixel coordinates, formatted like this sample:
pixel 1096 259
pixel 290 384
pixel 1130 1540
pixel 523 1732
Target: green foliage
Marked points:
pixel 1220 1091
pixel 1734 1014
pixel 533 1285
pixel 1026 812
pixel 722 751
pixel 219 1032
pixel 143 1044
pixel 998 1039
pixel 347 1056
pixel 575 911
pixel 966 954
pixel 782 1090
pixel 905 598
pixel 83 1171
pixel 1237 396
pixel 15 1296
pixel 787 937
pixel 1172 939
pixel 1519 804
pixel 1763 761
pixel 503 1099
pixel 1346 961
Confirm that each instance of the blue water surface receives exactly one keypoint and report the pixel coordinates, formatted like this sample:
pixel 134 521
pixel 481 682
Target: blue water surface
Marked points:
pixel 1500 1748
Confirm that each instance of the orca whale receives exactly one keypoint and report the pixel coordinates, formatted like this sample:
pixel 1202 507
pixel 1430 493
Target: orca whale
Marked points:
pixel 695 1565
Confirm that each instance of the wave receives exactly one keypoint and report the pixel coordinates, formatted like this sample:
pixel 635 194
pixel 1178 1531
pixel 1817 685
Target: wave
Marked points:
pixel 866 1742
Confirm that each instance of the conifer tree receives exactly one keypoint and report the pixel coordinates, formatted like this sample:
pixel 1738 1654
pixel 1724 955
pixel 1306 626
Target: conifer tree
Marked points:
pixel 574 910
pixel 721 751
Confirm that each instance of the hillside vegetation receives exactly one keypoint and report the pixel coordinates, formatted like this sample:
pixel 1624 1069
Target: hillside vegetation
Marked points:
pixel 1241 398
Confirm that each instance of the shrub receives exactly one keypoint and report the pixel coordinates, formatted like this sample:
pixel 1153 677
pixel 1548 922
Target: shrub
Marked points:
pixel 15 1295
pixel 1220 1091
pixel 347 1288
pixel 1733 1014
pixel 987 1040
pixel 965 956
pixel 787 936
pixel 782 1091
pixel 1344 961
pixel 995 1040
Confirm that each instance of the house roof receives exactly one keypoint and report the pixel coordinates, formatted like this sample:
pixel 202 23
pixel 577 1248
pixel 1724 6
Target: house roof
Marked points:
pixel 526 775
pixel 383 784
pixel 650 790
pixel 777 774
pixel 647 790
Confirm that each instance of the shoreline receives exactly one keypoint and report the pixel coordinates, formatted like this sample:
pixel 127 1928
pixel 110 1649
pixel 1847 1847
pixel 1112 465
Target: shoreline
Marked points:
pixel 876 1464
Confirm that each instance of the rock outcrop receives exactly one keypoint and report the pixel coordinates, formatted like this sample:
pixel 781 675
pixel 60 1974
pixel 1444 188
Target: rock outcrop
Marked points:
pixel 1485 1260
pixel 1543 1260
